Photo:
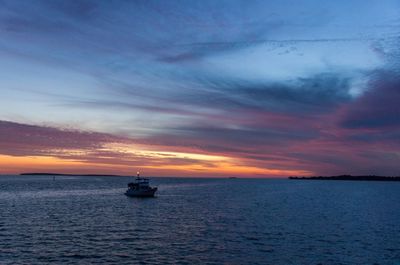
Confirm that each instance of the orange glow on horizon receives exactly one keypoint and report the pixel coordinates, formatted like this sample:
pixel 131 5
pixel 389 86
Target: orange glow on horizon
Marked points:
pixel 231 169
pixel 212 166
pixel 18 164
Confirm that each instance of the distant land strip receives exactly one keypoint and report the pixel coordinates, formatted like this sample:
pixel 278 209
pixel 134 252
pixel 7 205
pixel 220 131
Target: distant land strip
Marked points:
pixel 74 175
pixel 350 177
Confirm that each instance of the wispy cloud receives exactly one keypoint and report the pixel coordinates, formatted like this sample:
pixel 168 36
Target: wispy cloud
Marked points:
pixel 379 107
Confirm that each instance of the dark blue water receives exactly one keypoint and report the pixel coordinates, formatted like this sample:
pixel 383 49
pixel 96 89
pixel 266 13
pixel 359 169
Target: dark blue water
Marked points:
pixel 88 220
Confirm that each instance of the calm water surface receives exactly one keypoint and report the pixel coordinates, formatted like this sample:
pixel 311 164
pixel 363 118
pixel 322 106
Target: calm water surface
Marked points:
pixel 88 220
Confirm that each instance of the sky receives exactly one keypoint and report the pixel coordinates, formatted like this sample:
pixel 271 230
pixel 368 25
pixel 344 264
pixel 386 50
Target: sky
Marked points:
pixel 200 88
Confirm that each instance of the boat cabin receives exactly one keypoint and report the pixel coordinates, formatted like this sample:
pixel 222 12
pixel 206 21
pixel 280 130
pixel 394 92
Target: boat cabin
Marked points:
pixel 140 183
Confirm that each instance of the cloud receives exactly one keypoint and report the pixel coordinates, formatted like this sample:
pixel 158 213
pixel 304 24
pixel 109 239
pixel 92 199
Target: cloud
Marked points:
pixel 91 148
pixel 25 140
pixel 237 137
pixel 379 107
pixel 316 94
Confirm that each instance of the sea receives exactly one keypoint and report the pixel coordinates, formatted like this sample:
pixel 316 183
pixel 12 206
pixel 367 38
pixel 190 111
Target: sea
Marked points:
pixel 89 220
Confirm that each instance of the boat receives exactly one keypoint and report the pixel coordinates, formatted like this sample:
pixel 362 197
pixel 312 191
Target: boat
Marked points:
pixel 140 188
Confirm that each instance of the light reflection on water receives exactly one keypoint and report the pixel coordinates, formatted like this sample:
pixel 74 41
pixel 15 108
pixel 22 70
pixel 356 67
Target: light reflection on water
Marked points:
pixel 198 221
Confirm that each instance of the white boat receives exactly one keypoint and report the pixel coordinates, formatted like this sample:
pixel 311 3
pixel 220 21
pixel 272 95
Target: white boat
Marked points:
pixel 140 188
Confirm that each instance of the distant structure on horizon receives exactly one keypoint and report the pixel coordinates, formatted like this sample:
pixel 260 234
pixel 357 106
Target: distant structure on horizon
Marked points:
pixel 350 177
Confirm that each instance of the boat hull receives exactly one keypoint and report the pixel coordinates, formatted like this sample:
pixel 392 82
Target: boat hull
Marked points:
pixel 141 193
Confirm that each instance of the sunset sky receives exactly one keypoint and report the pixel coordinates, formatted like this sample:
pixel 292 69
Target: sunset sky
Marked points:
pixel 200 88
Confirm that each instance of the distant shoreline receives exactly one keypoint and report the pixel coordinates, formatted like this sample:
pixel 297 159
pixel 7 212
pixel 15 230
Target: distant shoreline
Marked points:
pixel 71 175
pixel 350 177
